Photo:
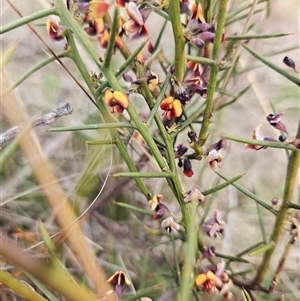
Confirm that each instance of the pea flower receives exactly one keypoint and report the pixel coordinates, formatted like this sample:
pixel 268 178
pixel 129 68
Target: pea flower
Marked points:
pixel 170 225
pixel 206 280
pixel 172 107
pixel 138 17
pixel 275 122
pixel 215 279
pixel 55 31
pixel 118 280
pixel 214 226
pixel 257 134
pixel 289 62
pixel 180 150
pixel 194 194
pixel 156 205
pixel 118 101
pixel 187 168
pixel 213 158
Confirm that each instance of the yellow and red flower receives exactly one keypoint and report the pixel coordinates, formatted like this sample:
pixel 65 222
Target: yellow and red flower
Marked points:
pixel 172 107
pixel 118 101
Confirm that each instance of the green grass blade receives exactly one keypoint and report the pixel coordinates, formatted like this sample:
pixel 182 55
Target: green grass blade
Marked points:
pixel 112 40
pixel 91 127
pixel 20 22
pixel 35 68
pixel 257 36
pixel 258 142
pixel 20 288
pixel 143 174
pixel 249 194
pixel 43 289
pixel 291 77
pixel 223 185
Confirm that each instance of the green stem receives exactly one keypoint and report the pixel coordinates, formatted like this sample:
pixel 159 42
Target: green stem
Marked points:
pixel 159 99
pixel 190 254
pixel 290 182
pixel 120 70
pixel 201 60
pixel 294 79
pixel 112 40
pixel 257 36
pixel 250 194
pixel 178 38
pixel 28 19
pixel 221 186
pixel 143 175
pixel 213 72
pixel 91 127
pixel 281 263
pixel 259 142
pixel 107 117
pixel 21 288
pixel 35 68
pixel 294 206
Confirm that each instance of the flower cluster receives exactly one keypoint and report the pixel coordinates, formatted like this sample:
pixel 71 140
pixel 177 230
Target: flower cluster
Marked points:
pixel 91 14
pixel 214 279
pixel 160 209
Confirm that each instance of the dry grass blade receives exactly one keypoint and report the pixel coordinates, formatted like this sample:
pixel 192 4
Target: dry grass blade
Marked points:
pixel 55 196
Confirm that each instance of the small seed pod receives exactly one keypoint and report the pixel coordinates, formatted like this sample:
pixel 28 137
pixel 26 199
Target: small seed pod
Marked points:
pixel 282 137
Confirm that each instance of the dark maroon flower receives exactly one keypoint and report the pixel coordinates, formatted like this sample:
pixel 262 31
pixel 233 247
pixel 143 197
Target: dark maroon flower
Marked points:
pixel 289 62
pixel 118 280
pixel 217 146
pixel 187 168
pixel 275 122
pixel 193 136
pixel 181 150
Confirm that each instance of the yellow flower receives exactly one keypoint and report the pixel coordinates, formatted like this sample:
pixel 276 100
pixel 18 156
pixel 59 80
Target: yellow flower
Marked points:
pixel 172 107
pixel 118 101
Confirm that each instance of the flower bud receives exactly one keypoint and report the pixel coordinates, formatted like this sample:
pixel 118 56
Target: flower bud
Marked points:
pixel 289 62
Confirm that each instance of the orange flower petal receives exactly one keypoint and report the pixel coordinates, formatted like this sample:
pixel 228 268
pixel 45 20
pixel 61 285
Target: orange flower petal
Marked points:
pixel 98 9
pixel 201 279
pixel 165 103
pixel 104 39
pixel 119 42
pixel 177 108
pixel 211 277
pixel 121 99
pixel 152 81
pixel 109 98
